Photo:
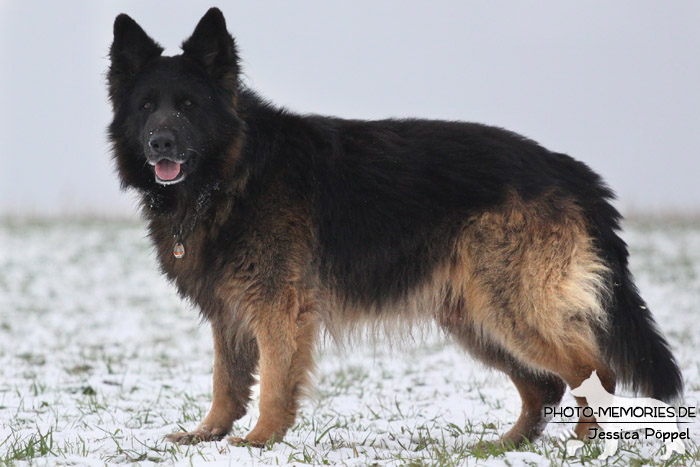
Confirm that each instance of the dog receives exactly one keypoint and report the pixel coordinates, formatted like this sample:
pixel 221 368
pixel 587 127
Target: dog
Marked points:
pixel 598 398
pixel 278 226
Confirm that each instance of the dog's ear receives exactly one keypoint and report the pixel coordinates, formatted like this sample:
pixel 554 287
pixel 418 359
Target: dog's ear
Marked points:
pixel 130 50
pixel 214 49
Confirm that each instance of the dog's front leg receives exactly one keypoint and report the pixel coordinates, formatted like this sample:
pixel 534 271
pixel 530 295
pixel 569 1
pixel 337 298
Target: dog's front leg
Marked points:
pixel 235 362
pixel 286 337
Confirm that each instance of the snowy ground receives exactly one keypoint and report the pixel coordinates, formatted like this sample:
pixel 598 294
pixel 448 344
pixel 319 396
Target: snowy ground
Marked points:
pixel 99 360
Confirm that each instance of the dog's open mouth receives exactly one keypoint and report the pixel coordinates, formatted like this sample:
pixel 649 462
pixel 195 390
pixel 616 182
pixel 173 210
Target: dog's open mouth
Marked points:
pixel 169 172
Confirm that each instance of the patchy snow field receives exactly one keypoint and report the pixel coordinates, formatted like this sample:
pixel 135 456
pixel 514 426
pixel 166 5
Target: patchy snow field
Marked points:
pixel 99 359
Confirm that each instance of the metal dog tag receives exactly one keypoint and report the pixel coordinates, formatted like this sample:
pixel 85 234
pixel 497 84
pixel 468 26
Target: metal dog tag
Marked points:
pixel 179 250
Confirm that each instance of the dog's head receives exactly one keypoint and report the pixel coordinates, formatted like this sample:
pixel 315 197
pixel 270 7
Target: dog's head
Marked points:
pixel 171 114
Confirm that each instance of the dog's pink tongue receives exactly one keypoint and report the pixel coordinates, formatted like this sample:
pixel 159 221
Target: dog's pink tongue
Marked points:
pixel 167 170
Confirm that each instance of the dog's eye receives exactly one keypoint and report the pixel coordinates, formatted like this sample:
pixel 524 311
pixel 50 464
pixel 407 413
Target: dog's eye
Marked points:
pixel 187 103
pixel 147 106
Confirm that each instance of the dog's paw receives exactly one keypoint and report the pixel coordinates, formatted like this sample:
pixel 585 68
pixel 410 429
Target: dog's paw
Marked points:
pixel 256 439
pixel 197 436
pixel 242 442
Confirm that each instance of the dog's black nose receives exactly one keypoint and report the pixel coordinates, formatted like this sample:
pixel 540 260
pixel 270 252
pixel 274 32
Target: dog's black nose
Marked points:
pixel 162 141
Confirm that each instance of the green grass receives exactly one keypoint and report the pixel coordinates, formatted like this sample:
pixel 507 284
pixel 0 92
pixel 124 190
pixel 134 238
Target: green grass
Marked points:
pixel 112 361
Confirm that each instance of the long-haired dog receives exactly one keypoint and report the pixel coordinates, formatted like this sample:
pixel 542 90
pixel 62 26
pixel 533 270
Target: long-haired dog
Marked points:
pixel 277 225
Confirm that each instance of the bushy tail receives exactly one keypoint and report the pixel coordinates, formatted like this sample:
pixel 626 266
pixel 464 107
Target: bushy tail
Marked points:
pixel 635 348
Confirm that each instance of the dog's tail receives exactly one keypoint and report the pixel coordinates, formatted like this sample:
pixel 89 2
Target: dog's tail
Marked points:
pixel 633 345
pixel 635 348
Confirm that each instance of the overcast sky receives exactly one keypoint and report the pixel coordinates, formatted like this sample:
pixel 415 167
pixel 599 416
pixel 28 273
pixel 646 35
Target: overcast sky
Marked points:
pixel 615 84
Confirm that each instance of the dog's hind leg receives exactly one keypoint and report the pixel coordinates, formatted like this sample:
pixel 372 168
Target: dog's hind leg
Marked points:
pixel 572 360
pixel 538 389
pixel 574 371
pixel 534 281
pixel 235 362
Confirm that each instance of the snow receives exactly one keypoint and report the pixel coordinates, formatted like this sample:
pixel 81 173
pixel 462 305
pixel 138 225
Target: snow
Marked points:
pixel 99 360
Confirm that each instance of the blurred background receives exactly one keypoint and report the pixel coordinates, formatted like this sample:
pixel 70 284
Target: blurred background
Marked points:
pixel 614 84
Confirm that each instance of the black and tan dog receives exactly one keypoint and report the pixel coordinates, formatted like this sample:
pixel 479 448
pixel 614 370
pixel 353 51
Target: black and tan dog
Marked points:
pixel 277 225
